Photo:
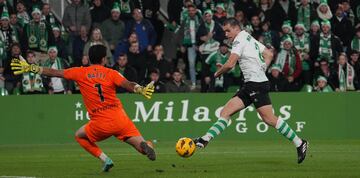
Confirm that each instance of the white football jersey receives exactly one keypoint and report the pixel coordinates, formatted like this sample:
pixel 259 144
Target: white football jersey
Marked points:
pixel 251 61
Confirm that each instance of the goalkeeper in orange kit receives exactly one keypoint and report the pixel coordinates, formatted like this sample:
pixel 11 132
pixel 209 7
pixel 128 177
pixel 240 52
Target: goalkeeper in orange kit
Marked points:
pixel 107 116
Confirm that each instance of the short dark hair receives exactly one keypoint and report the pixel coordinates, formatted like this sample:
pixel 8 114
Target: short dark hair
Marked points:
pixel 97 53
pixel 232 22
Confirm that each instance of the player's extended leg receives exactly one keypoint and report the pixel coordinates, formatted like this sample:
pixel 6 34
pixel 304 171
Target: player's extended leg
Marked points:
pixel 266 113
pixel 142 146
pixel 234 105
pixel 92 148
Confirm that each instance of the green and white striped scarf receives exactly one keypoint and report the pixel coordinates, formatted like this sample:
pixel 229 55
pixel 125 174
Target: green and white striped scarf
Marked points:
pixel 281 58
pixel 190 27
pixel 302 44
pixel 304 16
pixel 325 50
pixel 32 82
pixel 37 35
pixel 2 50
pixel 59 64
pixel 355 44
pixel 346 78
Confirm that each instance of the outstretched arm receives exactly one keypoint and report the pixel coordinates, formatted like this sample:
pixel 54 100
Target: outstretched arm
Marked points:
pixel 52 72
pixel 146 91
pixel 21 66
pixel 230 63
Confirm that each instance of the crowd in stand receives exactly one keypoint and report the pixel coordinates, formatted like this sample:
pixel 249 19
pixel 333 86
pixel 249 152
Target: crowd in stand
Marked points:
pixel 316 42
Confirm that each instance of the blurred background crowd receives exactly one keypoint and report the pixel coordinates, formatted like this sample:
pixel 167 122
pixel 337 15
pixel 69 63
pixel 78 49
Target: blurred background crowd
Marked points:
pixel 316 42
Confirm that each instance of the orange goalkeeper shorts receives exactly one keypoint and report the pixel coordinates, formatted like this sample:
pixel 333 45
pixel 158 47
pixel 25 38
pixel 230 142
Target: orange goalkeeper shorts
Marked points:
pixel 122 129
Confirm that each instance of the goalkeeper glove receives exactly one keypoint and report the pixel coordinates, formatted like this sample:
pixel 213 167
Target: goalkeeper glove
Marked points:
pixel 145 91
pixel 21 66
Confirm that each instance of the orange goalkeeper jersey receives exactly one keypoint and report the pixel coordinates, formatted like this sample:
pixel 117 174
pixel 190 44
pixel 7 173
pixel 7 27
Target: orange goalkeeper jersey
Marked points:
pixel 97 86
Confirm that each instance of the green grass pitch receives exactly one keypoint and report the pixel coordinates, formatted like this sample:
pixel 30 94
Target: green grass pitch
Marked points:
pixel 222 159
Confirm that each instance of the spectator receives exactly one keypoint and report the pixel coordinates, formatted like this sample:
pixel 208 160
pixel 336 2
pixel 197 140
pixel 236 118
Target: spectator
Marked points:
pixel 240 17
pixel 14 23
pixel 113 27
pixel 321 85
pixel 158 62
pixel 348 12
pixel 290 64
pixel 171 42
pixel 325 46
pixel 155 77
pixel 8 35
pixel 354 62
pixel 150 10
pixel 174 9
pixel 209 34
pixel 123 45
pixel 271 38
pixel 281 11
pixel 314 29
pixel 278 82
pixel 355 43
pixel 124 69
pixel 138 60
pixel 55 85
pixel 264 10
pixel 37 36
pixel 48 16
pixel 22 15
pixel 31 83
pixel 99 13
pixel 220 13
pixel 306 13
pixel 330 75
pixel 126 7
pixel 206 5
pixel 75 15
pixel 302 45
pixel 256 27
pixel 96 38
pixel 212 63
pixel 247 6
pixel 229 6
pixel 189 41
pixel 144 31
pixel 346 74
pixel 12 82
pixel 342 27
pixel 78 46
pixel 60 43
pixel 324 11
pixel 177 85
pixel 286 31
pixel 31 4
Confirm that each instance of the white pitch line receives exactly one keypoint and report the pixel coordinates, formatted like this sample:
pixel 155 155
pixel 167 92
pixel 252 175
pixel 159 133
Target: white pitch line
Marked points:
pixel 16 177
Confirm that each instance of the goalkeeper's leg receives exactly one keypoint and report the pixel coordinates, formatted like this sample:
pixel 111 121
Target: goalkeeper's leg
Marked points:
pixel 234 105
pixel 92 148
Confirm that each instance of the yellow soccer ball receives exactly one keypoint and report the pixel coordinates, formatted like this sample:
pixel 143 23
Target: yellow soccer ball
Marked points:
pixel 185 147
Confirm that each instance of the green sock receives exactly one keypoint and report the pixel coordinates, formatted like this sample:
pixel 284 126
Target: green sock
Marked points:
pixel 216 129
pixel 287 132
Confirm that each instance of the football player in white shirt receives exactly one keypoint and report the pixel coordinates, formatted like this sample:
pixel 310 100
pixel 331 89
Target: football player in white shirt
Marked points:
pixel 253 58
